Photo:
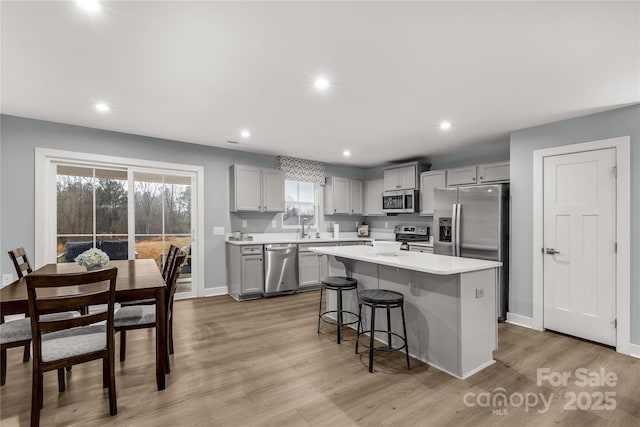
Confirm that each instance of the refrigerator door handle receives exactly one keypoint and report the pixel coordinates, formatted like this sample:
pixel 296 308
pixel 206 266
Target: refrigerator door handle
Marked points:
pixel 458 214
pixel 454 230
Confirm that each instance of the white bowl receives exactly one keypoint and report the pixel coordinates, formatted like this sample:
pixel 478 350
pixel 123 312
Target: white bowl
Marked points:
pixel 386 248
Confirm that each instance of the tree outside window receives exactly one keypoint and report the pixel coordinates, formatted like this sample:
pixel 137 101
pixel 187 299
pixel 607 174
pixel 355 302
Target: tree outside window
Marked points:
pixel 299 204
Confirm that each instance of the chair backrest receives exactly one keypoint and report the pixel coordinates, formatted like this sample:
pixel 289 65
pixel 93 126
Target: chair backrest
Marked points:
pixel 73 249
pixel 20 262
pixel 53 293
pixel 116 249
pixel 172 278
pixel 171 254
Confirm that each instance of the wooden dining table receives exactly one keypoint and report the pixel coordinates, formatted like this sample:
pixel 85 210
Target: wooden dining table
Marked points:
pixel 137 279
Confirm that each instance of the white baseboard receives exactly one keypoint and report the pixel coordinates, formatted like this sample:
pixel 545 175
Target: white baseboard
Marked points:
pixel 634 350
pixel 517 319
pixel 212 292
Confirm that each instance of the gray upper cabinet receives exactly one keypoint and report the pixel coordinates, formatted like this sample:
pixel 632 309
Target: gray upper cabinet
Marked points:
pixel 373 190
pixel 401 178
pixel 479 174
pixel 272 190
pixel 429 181
pixel 462 176
pixel 493 172
pixel 255 189
pixel 342 196
pixel 355 197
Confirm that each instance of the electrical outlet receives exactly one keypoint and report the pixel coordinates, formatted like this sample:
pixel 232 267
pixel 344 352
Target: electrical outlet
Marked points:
pixel 357 224
pixel 274 224
pixel 386 224
pixel 6 279
pixel 479 293
pixel 244 223
pixel 218 231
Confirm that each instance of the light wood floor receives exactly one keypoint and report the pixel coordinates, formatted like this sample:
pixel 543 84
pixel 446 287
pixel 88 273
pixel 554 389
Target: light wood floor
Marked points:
pixel 262 363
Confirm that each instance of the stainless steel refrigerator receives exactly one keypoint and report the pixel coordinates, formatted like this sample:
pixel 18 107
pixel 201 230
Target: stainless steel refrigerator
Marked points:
pixel 473 222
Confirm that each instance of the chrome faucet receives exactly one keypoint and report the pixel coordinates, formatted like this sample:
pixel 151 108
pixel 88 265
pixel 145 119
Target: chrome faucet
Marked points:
pixel 303 234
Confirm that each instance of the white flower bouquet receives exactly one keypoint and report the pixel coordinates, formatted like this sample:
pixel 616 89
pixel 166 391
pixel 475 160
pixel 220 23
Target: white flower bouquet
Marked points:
pixel 92 259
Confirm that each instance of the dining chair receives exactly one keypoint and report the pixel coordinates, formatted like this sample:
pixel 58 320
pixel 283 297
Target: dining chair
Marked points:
pixel 17 333
pixel 20 262
pixel 64 342
pixel 73 249
pixel 144 316
pixel 115 249
pixel 171 254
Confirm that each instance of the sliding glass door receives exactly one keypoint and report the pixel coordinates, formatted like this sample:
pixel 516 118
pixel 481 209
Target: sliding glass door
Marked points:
pixel 128 213
pixel 163 217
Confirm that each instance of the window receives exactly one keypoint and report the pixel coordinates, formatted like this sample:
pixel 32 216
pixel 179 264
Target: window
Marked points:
pixel 91 208
pixel 299 204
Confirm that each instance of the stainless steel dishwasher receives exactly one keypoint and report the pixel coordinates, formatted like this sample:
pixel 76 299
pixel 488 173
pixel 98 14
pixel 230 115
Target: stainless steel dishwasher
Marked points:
pixel 280 269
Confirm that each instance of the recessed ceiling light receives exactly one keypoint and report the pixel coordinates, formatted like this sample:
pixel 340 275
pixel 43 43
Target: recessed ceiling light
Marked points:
pixel 245 134
pixel 101 106
pixel 346 153
pixel 91 6
pixel 321 83
pixel 445 125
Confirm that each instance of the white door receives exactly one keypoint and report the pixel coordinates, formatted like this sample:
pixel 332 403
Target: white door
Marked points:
pixel 579 244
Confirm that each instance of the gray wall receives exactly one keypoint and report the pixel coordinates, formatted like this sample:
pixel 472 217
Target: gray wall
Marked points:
pixel 485 153
pixel 19 137
pixel 609 124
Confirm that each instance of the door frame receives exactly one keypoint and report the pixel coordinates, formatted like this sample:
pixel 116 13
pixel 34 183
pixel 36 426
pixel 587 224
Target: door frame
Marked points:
pixel 623 232
pixel 45 193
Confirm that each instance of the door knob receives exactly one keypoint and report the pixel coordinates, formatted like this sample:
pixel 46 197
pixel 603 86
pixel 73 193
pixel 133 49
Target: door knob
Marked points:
pixel 551 251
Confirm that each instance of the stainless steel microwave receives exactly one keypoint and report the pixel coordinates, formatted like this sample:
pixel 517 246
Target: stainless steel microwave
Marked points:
pixel 402 201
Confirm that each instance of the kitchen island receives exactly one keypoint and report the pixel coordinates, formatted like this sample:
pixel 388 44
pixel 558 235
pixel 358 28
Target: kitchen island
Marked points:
pixel 450 302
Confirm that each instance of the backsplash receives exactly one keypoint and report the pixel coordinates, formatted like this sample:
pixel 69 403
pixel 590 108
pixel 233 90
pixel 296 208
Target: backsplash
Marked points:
pixel 262 223
pixel 383 223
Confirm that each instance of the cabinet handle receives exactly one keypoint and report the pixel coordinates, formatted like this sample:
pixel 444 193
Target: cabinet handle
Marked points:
pixel 335 210
pixel 473 178
pixel 265 208
pixel 482 177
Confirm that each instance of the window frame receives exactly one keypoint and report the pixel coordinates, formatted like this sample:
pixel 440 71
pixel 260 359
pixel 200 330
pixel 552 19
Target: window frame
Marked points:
pixel 46 160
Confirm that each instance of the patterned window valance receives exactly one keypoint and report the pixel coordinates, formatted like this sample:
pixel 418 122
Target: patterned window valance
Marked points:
pixel 302 169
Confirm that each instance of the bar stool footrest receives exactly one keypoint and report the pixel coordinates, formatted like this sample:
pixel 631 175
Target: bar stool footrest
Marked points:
pixel 387 349
pixel 335 322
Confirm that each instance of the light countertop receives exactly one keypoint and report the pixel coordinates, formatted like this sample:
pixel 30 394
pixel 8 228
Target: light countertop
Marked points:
pixel 416 261
pixel 266 241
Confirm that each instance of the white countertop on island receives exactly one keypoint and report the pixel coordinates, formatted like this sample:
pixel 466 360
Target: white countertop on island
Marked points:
pixel 416 261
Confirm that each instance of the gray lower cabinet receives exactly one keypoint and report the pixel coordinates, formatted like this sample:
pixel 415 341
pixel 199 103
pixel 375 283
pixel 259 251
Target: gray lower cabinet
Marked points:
pixel 245 271
pixel 312 267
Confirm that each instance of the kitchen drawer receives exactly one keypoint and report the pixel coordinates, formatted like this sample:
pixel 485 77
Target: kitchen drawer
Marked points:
pixel 252 250
pixel 422 249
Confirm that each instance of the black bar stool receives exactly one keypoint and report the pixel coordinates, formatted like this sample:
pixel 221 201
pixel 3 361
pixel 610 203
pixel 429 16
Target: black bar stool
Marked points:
pixel 338 284
pixel 381 298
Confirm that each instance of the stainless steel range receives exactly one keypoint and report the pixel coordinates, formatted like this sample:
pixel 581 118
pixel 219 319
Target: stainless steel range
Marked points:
pixel 411 233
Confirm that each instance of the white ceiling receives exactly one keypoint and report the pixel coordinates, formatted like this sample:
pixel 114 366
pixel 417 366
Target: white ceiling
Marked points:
pixel 201 72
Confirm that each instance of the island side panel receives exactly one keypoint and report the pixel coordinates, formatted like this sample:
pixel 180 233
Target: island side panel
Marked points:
pixel 478 325
pixel 365 273
pixel 432 314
